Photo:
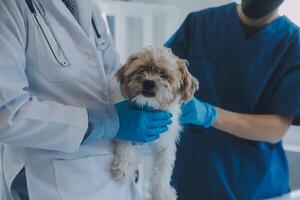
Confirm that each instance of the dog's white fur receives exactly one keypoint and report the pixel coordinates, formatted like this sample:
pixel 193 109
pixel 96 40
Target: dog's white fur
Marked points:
pixel 127 156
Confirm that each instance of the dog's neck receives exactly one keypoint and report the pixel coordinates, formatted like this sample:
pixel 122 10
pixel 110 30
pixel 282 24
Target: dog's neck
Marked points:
pixel 151 102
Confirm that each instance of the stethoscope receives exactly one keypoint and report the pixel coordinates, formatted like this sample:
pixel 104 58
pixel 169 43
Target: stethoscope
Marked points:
pixel 101 42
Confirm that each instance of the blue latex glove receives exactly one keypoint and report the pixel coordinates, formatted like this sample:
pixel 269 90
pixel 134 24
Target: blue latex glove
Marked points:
pixel 141 125
pixel 136 124
pixel 198 113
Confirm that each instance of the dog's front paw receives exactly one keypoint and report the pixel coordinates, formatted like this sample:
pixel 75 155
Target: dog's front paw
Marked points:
pixel 165 194
pixel 119 174
pixel 122 170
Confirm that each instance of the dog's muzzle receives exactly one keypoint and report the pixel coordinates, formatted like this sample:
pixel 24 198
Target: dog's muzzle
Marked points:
pixel 148 88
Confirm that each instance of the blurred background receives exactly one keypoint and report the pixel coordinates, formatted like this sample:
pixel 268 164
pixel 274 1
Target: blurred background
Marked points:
pixel 138 23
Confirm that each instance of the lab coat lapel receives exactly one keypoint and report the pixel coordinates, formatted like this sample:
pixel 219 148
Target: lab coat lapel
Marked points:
pixel 58 10
pixel 62 19
pixel 85 15
pixel 80 34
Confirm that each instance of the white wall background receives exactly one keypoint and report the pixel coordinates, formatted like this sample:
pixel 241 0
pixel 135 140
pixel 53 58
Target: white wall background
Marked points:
pixel 187 6
pixel 161 22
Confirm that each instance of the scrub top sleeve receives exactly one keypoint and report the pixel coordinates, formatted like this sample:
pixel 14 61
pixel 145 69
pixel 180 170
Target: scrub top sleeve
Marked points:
pixel 180 41
pixel 285 99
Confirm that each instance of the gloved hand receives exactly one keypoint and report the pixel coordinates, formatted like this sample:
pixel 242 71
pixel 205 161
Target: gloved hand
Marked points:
pixel 198 113
pixel 141 125
pixel 136 124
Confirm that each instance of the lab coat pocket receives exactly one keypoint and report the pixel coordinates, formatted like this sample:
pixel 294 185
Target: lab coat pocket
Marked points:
pixel 89 178
pixel 57 57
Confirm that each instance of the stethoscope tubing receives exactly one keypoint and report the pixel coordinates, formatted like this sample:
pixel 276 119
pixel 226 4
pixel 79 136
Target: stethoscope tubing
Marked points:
pixel 65 63
pixel 36 3
pixel 42 12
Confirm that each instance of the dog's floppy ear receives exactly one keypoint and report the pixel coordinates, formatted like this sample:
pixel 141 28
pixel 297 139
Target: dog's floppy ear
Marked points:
pixel 189 84
pixel 121 74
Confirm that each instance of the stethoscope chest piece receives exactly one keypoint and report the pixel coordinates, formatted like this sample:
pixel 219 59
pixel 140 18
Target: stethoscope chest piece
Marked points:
pixel 102 39
pixel 66 63
pixel 102 43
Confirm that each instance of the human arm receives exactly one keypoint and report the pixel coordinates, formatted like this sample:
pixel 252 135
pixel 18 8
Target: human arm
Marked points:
pixel 268 128
pixel 281 109
pixel 26 120
pixel 133 124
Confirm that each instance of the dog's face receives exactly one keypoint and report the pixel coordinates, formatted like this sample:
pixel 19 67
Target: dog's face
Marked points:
pixel 156 77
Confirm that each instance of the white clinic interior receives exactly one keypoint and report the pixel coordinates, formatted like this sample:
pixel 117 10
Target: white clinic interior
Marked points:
pixel 135 24
pixel 138 23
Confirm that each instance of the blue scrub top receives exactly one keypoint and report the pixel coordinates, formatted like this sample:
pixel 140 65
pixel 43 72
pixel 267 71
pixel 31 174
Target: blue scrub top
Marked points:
pixel 259 75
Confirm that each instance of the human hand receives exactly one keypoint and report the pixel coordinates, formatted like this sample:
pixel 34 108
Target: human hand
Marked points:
pixel 198 113
pixel 141 125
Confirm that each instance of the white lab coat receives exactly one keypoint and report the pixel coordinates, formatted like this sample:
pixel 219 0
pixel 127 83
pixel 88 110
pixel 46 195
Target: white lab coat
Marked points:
pixel 42 105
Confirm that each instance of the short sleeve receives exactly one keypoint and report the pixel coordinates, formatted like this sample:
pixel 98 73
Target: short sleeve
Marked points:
pixel 179 42
pixel 285 98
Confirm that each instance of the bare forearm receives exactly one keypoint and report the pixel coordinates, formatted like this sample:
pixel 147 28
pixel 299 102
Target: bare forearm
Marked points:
pixel 268 128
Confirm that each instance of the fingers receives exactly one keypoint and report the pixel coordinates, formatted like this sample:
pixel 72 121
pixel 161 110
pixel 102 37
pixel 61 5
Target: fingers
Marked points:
pixel 183 121
pixel 186 119
pixel 141 107
pixel 157 131
pixel 159 115
pixel 153 138
pixel 160 123
pixel 184 114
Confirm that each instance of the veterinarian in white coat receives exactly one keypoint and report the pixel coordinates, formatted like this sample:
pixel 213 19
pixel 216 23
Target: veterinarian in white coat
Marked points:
pixel 51 70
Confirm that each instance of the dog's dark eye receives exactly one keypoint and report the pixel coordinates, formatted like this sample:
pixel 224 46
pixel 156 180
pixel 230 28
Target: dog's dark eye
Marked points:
pixel 163 75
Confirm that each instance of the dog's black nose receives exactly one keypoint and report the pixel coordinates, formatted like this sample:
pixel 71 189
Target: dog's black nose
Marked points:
pixel 148 85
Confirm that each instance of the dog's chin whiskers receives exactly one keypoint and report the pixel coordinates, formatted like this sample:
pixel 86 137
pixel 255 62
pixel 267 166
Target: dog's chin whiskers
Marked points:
pixel 133 98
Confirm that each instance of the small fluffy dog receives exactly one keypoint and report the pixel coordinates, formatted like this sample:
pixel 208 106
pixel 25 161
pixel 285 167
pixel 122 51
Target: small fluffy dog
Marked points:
pixel 154 77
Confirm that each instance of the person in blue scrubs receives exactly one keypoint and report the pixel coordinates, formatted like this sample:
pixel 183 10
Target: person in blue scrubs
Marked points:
pixel 247 60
